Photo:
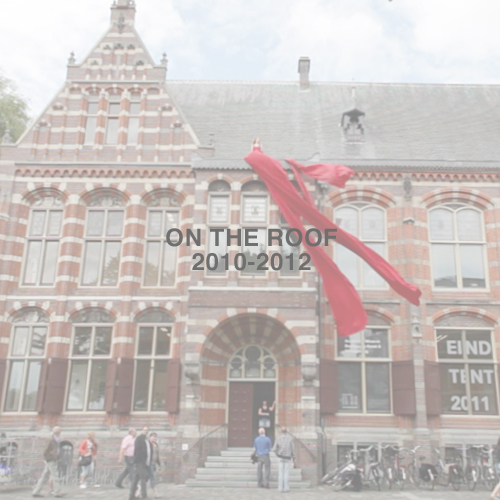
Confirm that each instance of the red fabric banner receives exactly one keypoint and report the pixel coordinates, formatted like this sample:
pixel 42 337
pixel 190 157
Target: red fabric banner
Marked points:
pixel 345 303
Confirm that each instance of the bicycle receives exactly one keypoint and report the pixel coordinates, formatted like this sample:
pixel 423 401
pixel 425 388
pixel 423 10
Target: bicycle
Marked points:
pixel 345 475
pixel 372 472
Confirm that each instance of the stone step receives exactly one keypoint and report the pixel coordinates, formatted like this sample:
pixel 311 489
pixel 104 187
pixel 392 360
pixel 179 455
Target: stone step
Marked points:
pixel 239 471
pixel 240 477
pixel 242 459
pixel 241 484
pixel 240 466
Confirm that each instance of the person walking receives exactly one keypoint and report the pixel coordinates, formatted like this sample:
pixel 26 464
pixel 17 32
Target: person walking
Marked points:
pixel 262 445
pixel 496 460
pixel 50 455
pixel 285 451
pixel 127 454
pixel 142 460
pixel 88 452
pixel 155 462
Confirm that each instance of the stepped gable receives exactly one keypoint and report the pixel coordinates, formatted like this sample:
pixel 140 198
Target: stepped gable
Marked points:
pixel 118 69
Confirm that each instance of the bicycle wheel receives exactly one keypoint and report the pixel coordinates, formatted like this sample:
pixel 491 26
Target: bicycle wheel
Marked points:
pixel 455 480
pixel 399 479
pixel 341 483
pixel 471 478
pixel 388 478
pixel 413 475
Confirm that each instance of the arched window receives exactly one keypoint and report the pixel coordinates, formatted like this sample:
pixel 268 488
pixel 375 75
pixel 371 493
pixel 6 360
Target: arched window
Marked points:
pixel 457 246
pixel 161 258
pixel 103 237
pixel 252 362
pixel 367 222
pixel 364 371
pixel 89 355
pixel 152 354
pixel 219 218
pixel 27 350
pixel 42 248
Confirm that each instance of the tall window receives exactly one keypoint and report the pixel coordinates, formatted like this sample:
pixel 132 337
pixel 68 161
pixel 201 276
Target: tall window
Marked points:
pixel 113 120
pixel 89 355
pixel 152 354
pixel 133 119
pixel 161 258
pixel 254 214
pixel 103 234
pixel 367 222
pixel 44 230
pixel 458 247
pixel 219 218
pixel 364 372
pixel 91 124
pixel 27 350
pixel 468 379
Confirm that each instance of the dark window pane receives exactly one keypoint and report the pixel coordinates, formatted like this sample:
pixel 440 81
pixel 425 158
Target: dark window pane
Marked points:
pixel 152 263
pixel 115 223
pixel 453 388
pixel 169 265
pixel 97 387
pixel 478 344
pixel 81 342
pixel 469 225
pixel 91 263
pixel 159 385
pixel 377 388
pixel 350 347
pixel 38 340
pixel 154 223
pixel 219 250
pixel 50 263
pixel 20 341
pixel 350 387
pixel 143 369
pixel 33 258
pixel 251 252
pixel 472 263
pixel 95 223
pixel 111 263
pixel 441 225
pixel 376 343
pixel 145 340
pixel 55 220
pixel 163 340
pixel 32 382
pixel 483 389
pixel 37 222
pixel 102 344
pixel 449 344
pixel 14 386
pixel 77 385
pixel 444 268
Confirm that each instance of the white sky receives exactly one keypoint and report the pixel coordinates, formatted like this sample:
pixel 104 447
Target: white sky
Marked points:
pixel 438 41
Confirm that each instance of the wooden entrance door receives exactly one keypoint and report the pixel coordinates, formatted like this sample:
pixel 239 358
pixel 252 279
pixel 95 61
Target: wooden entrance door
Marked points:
pixel 240 424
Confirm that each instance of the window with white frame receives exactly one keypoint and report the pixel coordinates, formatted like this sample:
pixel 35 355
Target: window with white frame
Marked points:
pixel 219 193
pixel 26 353
pixel 133 119
pixel 91 123
pixel 366 222
pixel 103 236
pixel 364 371
pixel 458 246
pixel 254 215
pixel 113 119
pixel 467 369
pixel 152 355
pixel 160 258
pixel 90 351
pixel 252 362
pixel 42 246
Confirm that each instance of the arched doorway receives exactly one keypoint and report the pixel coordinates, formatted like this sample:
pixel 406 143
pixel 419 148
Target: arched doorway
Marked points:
pixel 252 376
pixel 247 359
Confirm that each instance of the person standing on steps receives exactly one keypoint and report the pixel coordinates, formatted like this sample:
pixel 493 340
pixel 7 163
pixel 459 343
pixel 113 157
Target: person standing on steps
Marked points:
pixel 50 455
pixel 263 445
pixel 127 454
pixel 285 451
pixel 143 454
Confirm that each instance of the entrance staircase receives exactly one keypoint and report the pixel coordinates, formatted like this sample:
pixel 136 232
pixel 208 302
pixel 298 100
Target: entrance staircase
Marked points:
pixel 233 469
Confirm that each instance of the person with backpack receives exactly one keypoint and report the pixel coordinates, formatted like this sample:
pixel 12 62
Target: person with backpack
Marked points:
pixel 88 452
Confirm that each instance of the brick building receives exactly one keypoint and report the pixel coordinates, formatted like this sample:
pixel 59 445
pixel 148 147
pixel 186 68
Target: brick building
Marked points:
pixel 103 325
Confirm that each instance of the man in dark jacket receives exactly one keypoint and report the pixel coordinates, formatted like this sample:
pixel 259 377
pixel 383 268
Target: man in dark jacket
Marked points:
pixel 50 455
pixel 142 460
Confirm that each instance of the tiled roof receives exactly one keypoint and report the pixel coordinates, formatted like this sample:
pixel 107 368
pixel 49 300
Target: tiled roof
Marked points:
pixel 405 124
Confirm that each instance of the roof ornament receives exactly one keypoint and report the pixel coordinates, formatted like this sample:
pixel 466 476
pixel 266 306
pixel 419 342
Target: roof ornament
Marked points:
pixel 7 137
pixel 164 59
pixel 71 59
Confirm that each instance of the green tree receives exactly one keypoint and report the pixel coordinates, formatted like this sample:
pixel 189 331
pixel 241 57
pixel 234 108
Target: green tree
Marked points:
pixel 13 110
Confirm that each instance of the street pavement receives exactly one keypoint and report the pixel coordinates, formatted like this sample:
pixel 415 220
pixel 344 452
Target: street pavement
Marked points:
pixel 181 492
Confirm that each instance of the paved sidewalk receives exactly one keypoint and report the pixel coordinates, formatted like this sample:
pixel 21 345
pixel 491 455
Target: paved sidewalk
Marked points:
pixel 181 492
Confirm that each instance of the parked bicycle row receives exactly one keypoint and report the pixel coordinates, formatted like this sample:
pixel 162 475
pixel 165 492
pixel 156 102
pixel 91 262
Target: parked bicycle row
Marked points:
pixel 390 466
